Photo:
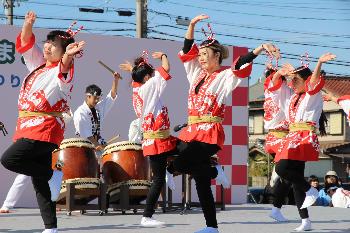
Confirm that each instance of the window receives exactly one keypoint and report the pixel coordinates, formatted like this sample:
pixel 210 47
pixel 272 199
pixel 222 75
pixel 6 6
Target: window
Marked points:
pixel 258 124
pixel 334 123
pixel 251 124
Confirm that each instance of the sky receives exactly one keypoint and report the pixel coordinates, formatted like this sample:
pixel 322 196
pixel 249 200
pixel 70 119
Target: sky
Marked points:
pixel 295 26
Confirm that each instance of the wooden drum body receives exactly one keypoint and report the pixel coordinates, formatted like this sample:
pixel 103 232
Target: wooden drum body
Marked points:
pixel 80 165
pixel 123 163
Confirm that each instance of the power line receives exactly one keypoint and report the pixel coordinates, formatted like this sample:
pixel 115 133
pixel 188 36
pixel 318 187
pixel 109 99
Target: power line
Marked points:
pixel 259 27
pixel 261 15
pixel 271 4
pixel 67 5
pixel 219 23
pixel 72 19
pixel 265 39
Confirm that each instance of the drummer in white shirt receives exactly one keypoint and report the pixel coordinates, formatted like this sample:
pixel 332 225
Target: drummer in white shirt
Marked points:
pixel 88 118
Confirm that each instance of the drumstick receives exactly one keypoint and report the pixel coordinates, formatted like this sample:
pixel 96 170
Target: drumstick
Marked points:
pixel 113 139
pixel 108 68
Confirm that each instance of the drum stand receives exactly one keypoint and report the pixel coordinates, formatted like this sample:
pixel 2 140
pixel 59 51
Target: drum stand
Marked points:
pixel 70 204
pixel 124 199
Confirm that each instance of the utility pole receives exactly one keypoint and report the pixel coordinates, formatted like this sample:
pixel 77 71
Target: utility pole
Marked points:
pixel 141 18
pixel 8 5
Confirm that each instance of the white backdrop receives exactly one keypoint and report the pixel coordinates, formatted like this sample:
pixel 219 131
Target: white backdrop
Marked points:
pixel 113 50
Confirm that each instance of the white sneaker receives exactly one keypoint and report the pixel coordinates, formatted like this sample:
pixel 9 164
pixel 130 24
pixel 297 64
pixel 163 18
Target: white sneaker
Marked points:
pixel 311 197
pixel 170 181
pixel 53 230
pixel 208 230
pixel 55 184
pixel 277 215
pixel 221 177
pixel 305 225
pixel 274 177
pixel 4 210
pixel 150 222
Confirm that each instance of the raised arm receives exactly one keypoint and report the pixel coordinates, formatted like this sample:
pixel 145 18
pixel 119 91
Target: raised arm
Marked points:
pixel 190 30
pixel 330 97
pixel 27 28
pixel 189 37
pixel 114 88
pixel 270 49
pixel 126 66
pixel 284 71
pixel 164 59
pixel 317 71
pixel 71 50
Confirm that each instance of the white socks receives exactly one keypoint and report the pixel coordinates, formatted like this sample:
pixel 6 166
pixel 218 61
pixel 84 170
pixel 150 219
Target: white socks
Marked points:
pixel 53 230
pixel 277 215
pixel 305 225
pixel 169 179
pixel 311 196
pixel 150 222
pixel 55 184
pixel 208 230
pixel 221 178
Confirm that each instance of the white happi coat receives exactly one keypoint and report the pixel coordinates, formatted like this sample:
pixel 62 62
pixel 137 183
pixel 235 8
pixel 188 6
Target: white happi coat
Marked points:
pixel 211 98
pixel 307 107
pixel 84 123
pixel 344 103
pixel 153 113
pixel 46 90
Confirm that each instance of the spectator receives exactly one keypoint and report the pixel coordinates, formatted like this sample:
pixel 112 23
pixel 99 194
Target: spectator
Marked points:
pixel 314 182
pixel 331 179
pixel 340 197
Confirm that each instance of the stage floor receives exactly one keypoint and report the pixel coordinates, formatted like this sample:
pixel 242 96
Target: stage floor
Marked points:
pixel 247 218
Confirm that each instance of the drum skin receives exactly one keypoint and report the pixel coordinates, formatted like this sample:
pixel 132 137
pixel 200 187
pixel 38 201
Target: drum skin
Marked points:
pixel 125 165
pixel 79 162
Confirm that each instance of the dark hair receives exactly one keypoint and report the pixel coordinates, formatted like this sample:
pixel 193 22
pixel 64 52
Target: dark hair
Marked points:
pixel 55 35
pixel 268 72
pixel 141 69
pixel 93 90
pixel 327 185
pixel 313 178
pixel 304 73
pixel 217 48
pixel 323 122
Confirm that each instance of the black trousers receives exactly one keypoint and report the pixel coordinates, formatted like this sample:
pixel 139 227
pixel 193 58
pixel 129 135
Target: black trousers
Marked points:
pixel 194 159
pixel 280 192
pixel 158 165
pixel 292 172
pixel 33 158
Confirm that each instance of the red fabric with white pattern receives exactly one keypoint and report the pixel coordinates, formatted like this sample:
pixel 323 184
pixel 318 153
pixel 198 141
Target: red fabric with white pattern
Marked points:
pixel 42 91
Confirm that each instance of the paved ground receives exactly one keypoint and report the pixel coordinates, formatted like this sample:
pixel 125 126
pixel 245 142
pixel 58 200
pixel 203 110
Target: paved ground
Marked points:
pixel 248 218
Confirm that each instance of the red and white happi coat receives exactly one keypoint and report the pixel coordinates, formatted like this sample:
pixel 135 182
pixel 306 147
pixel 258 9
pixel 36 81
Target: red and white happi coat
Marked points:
pixel 45 89
pixel 274 116
pixel 344 102
pixel 211 97
pixel 302 145
pixel 149 107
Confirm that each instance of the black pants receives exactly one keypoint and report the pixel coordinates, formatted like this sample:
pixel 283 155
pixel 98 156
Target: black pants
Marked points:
pixel 194 158
pixel 292 171
pixel 33 158
pixel 158 165
pixel 280 192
